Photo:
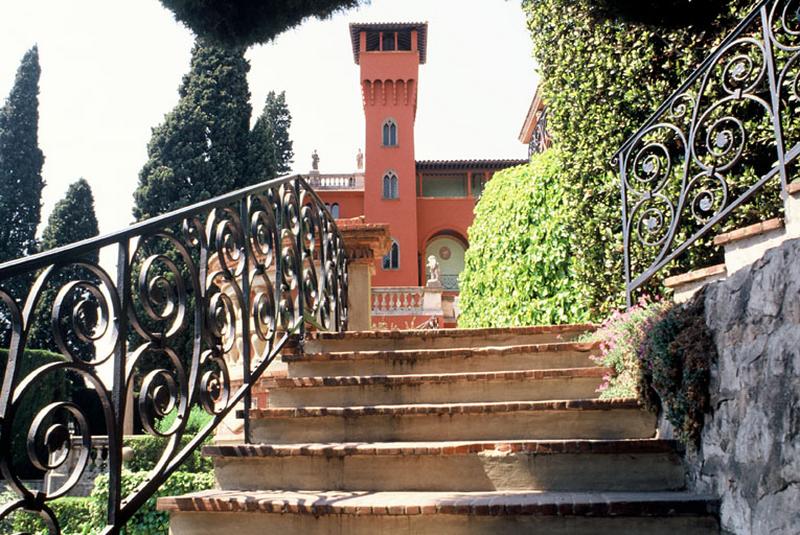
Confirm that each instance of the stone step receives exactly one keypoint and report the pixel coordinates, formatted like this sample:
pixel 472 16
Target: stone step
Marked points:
pixel 440 513
pixel 580 465
pixel 429 361
pixel 527 420
pixel 520 385
pixel 324 342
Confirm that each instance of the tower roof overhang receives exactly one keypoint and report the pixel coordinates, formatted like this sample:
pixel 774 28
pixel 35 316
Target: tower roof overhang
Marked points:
pixel 421 27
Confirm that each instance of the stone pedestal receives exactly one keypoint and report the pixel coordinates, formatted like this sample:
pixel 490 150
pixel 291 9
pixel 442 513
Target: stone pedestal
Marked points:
pixel 364 242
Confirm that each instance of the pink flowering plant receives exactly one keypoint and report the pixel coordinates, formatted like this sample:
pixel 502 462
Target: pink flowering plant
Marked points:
pixel 621 337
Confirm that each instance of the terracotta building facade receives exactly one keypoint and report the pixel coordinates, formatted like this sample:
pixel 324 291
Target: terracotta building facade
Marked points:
pixel 428 205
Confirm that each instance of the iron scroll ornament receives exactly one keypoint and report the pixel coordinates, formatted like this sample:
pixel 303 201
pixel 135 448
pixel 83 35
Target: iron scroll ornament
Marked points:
pixel 735 116
pixel 202 301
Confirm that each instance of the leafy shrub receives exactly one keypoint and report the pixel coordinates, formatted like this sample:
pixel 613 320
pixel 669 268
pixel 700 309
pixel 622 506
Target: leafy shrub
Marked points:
pixel 677 353
pixel 146 521
pixel 621 337
pixel 602 77
pixel 147 449
pixel 72 513
pixel 519 268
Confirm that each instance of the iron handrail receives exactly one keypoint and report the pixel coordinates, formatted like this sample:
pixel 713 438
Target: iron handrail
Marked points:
pixel 218 286
pixel 675 170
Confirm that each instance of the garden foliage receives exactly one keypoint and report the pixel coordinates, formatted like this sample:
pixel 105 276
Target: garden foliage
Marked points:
pixel 520 267
pixel 602 76
pixel 73 219
pixel 621 337
pixel 676 357
pixel 200 150
pixel 270 153
pixel 245 22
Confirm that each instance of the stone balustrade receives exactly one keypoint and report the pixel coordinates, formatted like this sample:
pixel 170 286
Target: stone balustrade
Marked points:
pixel 336 182
pixel 397 301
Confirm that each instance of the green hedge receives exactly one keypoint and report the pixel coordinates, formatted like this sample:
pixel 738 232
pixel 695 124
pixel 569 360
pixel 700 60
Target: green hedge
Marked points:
pixel 87 516
pixel 71 512
pixel 602 77
pixel 146 521
pixel 147 449
pixel 519 268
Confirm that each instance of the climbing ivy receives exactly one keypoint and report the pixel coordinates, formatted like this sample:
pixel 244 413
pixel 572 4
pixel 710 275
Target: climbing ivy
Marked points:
pixel 519 268
pixel 602 76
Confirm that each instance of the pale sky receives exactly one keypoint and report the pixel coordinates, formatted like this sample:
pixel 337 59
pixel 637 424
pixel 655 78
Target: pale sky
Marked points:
pixel 111 70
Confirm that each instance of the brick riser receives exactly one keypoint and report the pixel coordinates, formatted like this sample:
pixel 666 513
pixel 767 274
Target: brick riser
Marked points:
pixel 646 465
pixel 437 361
pixel 527 385
pixel 460 513
pixel 442 339
pixel 581 419
pixel 436 433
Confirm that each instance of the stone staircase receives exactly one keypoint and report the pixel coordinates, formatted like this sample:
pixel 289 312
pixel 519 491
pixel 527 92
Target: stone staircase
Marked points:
pixel 443 432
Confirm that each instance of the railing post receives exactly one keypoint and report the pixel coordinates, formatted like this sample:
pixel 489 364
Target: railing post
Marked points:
pixel 769 58
pixel 244 217
pixel 119 393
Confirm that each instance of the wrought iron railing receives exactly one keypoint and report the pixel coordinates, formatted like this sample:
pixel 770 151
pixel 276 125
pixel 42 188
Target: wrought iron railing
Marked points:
pixel 197 297
pixel 731 128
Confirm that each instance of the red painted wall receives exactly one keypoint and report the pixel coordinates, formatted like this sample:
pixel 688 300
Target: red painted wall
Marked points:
pixel 351 203
pixel 389 88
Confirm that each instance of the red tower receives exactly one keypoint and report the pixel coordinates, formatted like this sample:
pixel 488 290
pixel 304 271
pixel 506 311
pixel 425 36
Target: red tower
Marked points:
pixel 389 56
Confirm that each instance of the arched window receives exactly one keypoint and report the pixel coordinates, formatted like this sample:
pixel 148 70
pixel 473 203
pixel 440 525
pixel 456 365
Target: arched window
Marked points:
pixel 392 260
pixel 335 210
pixel 391 186
pixel 389 133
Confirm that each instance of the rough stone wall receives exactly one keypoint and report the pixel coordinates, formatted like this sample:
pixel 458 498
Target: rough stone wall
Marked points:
pixel 750 451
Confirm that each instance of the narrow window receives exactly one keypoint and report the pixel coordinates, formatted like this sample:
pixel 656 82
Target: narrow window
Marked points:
pixel 388 41
pixel 389 133
pixel 391 186
pixel 392 260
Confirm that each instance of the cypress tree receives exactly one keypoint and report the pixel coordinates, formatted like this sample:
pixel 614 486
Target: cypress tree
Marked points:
pixel 20 176
pixel 21 162
pixel 73 219
pixel 271 150
pixel 200 150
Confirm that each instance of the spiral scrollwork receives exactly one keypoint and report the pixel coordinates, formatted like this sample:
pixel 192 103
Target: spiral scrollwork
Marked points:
pixel 193 294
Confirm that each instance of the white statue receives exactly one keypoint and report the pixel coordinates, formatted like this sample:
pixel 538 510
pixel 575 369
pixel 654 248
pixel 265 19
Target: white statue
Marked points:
pixel 433 273
pixel 359 160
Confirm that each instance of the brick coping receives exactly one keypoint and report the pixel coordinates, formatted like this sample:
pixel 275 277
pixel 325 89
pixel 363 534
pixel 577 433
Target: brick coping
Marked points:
pixel 447 408
pixel 412 354
pixel 547 503
pixel 446 448
pixel 451 333
pixel 436 378
pixel 750 231
pixel 794 187
pixel 696 275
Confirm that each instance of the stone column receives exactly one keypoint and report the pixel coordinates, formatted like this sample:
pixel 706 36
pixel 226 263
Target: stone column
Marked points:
pixel 364 243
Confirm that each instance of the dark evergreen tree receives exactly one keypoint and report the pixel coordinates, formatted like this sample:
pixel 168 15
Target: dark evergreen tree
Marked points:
pixel 73 219
pixel 200 150
pixel 21 162
pixel 271 151
pixel 246 22
pixel 20 176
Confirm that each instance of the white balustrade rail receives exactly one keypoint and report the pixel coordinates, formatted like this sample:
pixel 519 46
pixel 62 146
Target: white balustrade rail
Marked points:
pixel 397 300
pixel 336 182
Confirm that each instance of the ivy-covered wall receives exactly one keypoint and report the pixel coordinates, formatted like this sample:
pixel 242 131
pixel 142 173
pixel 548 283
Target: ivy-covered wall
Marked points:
pixel 602 77
pixel 519 268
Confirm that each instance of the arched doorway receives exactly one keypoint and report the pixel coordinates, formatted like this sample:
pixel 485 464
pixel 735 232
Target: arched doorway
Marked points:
pixel 449 253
